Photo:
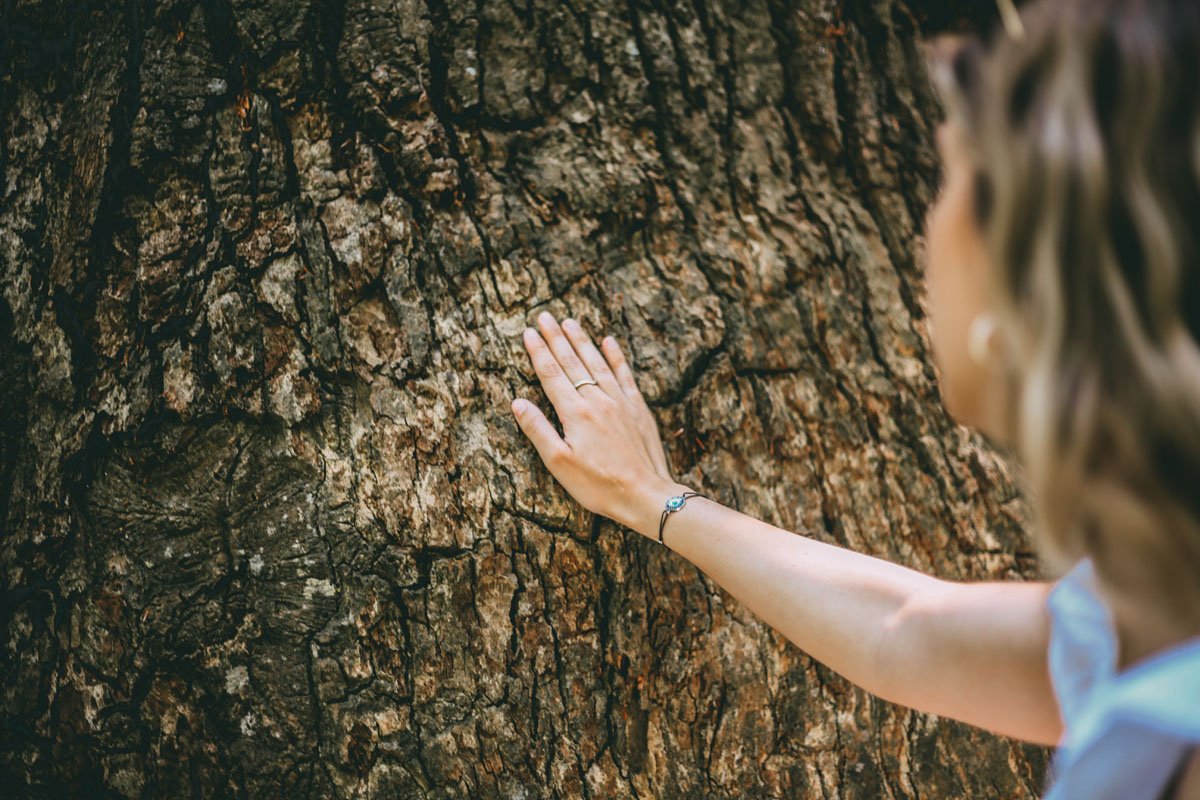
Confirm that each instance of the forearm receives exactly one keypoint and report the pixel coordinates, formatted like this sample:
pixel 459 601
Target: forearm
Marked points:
pixel 831 602
pixel 903 635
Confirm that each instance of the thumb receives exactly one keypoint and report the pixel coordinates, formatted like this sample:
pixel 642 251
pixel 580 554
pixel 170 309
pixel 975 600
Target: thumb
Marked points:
pixel 534 425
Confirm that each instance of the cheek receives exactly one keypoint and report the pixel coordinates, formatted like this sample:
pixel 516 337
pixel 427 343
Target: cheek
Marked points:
pixel 953 263
pixel 952 305
pixel 939 271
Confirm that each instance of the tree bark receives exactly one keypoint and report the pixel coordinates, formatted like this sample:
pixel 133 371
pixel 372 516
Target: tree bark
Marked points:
pixel 269 526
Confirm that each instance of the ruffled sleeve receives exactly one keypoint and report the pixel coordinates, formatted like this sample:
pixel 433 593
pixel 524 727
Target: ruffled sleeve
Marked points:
pixel 1083 648
pixel 1125 732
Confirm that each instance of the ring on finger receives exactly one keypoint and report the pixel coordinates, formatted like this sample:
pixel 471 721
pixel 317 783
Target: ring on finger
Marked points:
pixel 585 382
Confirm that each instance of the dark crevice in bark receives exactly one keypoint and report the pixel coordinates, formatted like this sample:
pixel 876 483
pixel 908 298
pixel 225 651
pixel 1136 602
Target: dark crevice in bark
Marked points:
pixel 663 134
pixel 610 660
pixel 727 69
pixel 901 253
pixel 437 98
pixel 74 305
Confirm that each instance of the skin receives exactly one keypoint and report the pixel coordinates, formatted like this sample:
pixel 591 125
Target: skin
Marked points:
pixel 956 284
pixel 974 652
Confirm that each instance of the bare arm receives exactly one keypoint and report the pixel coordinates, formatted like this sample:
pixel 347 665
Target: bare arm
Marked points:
pixel 973 652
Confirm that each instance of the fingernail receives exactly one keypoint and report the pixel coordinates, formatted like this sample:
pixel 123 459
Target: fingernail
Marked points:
pixel 544 316
pixel 518 406
pixel 570 324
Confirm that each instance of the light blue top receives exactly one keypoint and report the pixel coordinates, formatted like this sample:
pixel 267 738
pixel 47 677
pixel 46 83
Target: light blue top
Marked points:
pixel 1126 732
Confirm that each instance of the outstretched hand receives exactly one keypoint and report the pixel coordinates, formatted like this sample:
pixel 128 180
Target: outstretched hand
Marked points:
pixel 610 457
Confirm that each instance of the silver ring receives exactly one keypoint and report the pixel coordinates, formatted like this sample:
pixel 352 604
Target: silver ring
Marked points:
pixel 585 383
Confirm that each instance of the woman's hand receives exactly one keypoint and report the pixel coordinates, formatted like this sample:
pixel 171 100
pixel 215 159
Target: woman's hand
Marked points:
pixel 610 457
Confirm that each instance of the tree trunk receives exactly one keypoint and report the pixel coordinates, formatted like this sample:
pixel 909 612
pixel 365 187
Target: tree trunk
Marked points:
pixel 269 526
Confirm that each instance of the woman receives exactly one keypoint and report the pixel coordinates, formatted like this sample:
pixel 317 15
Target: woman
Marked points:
pixel 1064 292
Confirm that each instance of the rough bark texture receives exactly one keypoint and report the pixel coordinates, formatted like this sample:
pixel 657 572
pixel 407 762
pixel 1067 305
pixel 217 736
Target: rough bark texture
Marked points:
pixel 269 526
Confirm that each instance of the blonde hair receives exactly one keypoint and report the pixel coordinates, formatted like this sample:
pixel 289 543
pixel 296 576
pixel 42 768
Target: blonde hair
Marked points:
pixel 1084 138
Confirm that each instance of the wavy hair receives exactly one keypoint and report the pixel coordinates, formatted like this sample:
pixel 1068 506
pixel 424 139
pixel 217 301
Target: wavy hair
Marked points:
pixel 1084 139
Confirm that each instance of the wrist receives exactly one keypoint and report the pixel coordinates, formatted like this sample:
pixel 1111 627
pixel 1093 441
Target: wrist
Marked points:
pixel 647 501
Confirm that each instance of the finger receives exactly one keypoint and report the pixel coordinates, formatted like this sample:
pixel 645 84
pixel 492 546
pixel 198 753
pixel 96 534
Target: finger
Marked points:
pixel 562 349
pixel 620 368
pixel 624 375
pixel 592 359
pixel 549 445
pixel 657 454
pixel 554 381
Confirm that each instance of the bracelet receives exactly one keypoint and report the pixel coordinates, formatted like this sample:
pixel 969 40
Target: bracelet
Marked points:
pixel 673 504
